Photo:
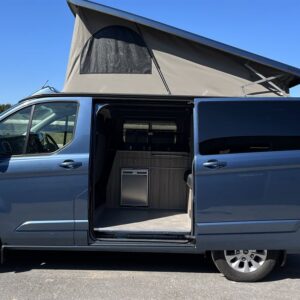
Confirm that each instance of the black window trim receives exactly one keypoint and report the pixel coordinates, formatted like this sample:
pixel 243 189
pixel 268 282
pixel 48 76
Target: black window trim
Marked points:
pixel 32 105
pixel 28 129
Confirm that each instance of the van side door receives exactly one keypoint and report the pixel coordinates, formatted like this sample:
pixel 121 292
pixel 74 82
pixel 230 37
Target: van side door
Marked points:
pixel 247 173
pixel 44 161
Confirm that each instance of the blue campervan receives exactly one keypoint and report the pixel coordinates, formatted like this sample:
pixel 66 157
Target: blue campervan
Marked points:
pixel 180 170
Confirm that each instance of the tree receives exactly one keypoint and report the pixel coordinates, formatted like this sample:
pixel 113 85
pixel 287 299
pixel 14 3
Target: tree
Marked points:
pixel 4 107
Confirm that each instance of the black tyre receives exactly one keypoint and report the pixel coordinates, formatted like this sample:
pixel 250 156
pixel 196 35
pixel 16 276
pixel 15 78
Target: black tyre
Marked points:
pixel 245 265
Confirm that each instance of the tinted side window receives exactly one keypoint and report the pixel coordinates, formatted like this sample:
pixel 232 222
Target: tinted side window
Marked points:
pixel 52 127
pixel 13 132
pixel 250 126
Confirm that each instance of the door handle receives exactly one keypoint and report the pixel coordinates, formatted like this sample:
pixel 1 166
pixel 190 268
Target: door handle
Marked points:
pixel 70 164
pixel 214 164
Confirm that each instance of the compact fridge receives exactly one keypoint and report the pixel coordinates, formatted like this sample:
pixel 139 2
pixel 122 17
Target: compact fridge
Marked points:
pixel 134 187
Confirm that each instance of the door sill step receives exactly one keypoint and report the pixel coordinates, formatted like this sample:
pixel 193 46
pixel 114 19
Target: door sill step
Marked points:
pixel 143 240
pixel 142 236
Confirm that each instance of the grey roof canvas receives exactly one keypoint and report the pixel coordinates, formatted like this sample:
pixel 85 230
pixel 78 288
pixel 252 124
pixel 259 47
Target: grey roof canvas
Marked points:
pixel 182 62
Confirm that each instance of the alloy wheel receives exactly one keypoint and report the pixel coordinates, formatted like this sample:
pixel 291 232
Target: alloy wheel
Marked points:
pixel 245 261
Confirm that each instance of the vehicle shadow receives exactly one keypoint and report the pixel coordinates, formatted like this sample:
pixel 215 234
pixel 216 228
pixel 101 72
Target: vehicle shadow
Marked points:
pixel 291 270
pixel 25 261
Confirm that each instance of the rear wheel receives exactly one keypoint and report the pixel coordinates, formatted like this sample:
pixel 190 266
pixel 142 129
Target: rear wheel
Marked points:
pixel 245 265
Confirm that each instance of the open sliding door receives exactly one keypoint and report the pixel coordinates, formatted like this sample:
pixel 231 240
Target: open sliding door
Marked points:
pixel 247 173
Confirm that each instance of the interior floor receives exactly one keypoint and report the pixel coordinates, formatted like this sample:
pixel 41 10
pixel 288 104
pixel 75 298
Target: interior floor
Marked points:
pixel 144 221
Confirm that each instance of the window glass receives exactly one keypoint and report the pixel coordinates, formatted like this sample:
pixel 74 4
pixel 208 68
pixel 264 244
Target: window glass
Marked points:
pixel 115 50
pixel 250 126
pixel 151 135
pixel 52 127
pixel 13 132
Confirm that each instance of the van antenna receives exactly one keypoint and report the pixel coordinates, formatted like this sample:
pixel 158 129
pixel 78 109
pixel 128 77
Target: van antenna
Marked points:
pixel 45 84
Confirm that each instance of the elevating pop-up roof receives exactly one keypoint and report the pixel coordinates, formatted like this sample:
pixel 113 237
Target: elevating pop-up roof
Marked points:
pixel 117 52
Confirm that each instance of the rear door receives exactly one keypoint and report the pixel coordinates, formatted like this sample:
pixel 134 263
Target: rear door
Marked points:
pixel 247 173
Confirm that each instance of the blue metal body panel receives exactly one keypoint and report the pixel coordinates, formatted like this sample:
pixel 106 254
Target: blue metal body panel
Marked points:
pixel 39 200
pixel 252 203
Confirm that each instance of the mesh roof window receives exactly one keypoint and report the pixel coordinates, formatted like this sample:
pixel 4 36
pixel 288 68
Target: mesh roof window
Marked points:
pixel 115 50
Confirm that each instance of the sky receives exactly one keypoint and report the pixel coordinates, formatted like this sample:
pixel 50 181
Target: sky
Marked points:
pixel 35 35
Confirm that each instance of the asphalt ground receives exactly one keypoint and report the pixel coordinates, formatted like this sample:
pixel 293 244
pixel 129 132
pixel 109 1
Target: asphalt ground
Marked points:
pixel 85 275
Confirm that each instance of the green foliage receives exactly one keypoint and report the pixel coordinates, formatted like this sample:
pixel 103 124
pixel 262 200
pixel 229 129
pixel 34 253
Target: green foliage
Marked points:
pixel 4 107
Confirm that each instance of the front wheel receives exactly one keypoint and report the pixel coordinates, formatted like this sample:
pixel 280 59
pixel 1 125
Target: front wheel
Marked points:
pixel 245 265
